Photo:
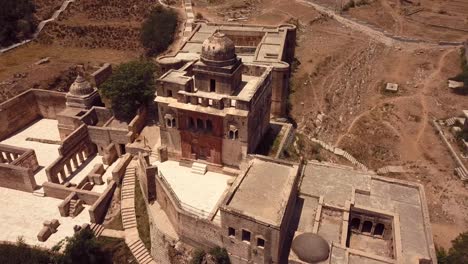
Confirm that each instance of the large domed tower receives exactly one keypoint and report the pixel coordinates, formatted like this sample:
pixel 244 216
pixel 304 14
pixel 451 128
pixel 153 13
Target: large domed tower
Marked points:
pixel 218 70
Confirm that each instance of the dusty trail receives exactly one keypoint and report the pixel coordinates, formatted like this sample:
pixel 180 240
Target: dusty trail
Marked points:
pixel 423 91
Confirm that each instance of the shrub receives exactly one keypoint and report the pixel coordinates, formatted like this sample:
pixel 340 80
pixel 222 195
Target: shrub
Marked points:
pixel 130 86
pixel 17 21
pixel 197 257
pixel 220 255
pixel 458 254
pixel 158 30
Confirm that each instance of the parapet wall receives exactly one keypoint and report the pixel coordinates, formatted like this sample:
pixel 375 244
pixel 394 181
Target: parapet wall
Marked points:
pixel 17 167
pixel 26 107
pixel 192 229
pixel 146 176
pixel 75 149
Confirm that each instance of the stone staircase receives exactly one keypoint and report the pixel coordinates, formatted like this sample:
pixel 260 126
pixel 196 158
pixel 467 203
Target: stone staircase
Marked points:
pixel 140 252
pixel 128 197
pixel 76 206
pixel 39 192
pixel 97 229
pixel 462 173
pixel 199 168
pixel 451 121
pixel 132 239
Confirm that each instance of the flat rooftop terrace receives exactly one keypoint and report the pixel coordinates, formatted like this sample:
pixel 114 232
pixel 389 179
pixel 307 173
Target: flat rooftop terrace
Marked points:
pixel 23 213
pixel 200 192
pixel 328 189
pixel 264 191
pixel 46 153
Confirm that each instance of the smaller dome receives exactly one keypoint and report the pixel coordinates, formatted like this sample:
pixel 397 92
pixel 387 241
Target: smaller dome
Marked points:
pixel 218 49
pixel 81 87
pixel 310 248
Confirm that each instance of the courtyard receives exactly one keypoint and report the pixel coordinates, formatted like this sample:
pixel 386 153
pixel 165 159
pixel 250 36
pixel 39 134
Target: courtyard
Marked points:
pixel 201 193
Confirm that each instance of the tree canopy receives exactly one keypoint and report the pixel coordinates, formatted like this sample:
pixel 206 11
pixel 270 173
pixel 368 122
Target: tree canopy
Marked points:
pixel 130 86
pixel 17 21
pixel 457 254
pixel 157 31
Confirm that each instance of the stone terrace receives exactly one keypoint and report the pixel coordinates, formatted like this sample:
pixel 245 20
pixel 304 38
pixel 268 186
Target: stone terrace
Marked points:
pixel 200 193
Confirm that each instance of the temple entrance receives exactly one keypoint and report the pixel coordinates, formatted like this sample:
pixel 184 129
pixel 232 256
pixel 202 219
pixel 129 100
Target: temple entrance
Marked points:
pixel 200 152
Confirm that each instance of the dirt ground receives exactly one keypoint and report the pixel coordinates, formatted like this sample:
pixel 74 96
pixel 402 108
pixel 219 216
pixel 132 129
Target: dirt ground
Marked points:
pixel 88 34
pixel 342 74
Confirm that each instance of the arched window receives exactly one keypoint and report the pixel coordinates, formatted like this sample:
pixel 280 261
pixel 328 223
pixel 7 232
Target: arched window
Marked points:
pixel 231 134
pixel 355 223
pixel 379 229
pixel 367 227
pixel 200 124
pixel 191 123
pixel 173 123
pixel 209 125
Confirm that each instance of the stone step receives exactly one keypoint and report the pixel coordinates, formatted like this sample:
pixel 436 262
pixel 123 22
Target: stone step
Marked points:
pixel 39 192
pixel 461 173
pixel 147 259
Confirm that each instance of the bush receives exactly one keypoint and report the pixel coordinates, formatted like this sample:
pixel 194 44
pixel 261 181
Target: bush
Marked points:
pixel 458 254
pixel 84 248
pixel 157 32
pixel 463 76
pixel 198 256
pixel 22 253
pixel 17 21
pixel 220 254
pixel 130 86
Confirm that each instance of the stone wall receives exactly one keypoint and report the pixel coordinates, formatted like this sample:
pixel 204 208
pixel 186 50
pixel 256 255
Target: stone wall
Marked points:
pixel 146 176
pixel 17 178
pixel 74 150
pixel 17 167
pixel 192 229
pixel 40 103
pixel 119 170
pixel 61 192
pixel 98 211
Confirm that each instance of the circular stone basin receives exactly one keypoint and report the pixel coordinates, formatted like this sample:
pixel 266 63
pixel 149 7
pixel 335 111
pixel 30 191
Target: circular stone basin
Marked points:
pixel 310 248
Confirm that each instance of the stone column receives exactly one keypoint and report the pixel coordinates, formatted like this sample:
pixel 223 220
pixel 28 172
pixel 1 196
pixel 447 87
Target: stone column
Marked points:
pixel 63 176
pixel 75 163
pixel 81 157
pixel 69 167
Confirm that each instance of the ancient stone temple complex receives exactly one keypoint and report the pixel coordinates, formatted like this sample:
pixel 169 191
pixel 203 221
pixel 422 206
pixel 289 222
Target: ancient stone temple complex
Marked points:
pixel 196 165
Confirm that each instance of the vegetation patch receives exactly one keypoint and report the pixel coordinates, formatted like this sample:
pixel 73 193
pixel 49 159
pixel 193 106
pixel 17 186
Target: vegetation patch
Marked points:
pixel 129 87
pixel 17 21
pixel 142 216
pixel 158 30
pixel 83 247
pixel 463 76
pixel 216 255
pixel 457 254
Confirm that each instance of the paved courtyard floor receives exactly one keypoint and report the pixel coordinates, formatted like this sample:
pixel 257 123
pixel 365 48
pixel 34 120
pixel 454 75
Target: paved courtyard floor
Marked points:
pixel 198 191
pixel 45 153
pixel 23 213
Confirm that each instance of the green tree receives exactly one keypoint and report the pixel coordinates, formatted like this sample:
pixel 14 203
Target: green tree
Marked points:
pixel 457 254
pixel 84 248
pixel 130 86
pixel 17 21
pixel 157 31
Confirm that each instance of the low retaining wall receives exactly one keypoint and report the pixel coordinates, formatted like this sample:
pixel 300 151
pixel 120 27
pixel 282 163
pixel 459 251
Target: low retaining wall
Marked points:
pixel 147 177
pixel 191 228
pixel 98 211
pixel 61 192
pixel 17 167
pixel 119 170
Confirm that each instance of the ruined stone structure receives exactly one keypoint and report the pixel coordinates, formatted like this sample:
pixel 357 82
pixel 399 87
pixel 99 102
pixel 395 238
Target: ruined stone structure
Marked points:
pixel 254 44
pixel 217 108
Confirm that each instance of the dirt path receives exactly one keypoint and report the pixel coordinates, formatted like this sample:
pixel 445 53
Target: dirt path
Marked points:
pixel 396 17
pixel 378 35
pixel 423 91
